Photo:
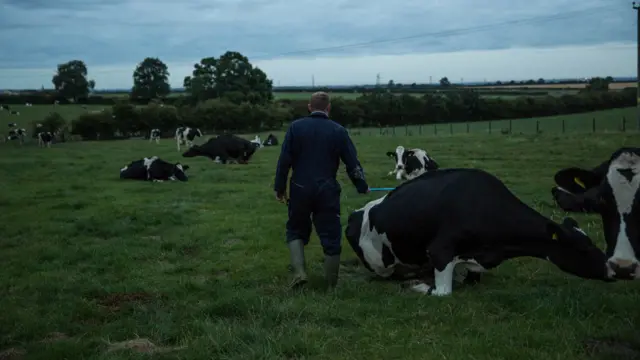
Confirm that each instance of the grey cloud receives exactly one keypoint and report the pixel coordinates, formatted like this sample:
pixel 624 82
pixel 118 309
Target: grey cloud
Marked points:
pixel 38 33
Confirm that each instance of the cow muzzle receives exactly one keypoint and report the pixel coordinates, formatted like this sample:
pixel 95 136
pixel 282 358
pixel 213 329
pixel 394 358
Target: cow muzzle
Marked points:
pixel 624 269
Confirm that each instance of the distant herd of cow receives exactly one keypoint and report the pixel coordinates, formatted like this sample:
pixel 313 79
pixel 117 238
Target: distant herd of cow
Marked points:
pixel 440 218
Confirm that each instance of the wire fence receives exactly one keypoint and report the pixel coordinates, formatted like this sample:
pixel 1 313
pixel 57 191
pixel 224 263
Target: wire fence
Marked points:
pixel 505 127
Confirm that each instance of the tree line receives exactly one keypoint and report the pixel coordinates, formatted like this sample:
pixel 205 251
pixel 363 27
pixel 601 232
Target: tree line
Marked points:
pixel 230 94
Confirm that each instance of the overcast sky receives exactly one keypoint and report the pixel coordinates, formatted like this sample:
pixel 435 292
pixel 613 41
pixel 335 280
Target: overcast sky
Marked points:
pixel 470 39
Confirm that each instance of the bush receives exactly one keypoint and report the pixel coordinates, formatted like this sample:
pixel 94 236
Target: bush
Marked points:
pixel 53 123
pixel 94 126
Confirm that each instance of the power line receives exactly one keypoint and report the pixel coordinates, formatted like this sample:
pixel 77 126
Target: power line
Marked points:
pixel 438 34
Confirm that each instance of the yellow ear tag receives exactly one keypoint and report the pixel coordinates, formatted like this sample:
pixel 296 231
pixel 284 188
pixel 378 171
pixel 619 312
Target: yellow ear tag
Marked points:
pixel 554 236
pixel 579 182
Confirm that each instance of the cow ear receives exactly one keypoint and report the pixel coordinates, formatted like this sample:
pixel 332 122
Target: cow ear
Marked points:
pixel 554 232
pixel 390 154
pixel 576 180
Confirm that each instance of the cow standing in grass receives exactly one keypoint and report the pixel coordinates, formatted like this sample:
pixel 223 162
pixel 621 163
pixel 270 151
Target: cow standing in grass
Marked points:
pixel 612 190
pixel 185 135
pixel 17 134
pixel 155 135
pixel 44 138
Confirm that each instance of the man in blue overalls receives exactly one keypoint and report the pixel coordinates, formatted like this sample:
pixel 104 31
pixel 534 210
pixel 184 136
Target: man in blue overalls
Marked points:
pixel 313 147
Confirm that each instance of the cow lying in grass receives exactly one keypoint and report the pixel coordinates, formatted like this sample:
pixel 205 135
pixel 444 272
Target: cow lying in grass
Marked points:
pixel 411 163
pixel 224 148
pixel 612 189
pixel 467 217
pixel 154 169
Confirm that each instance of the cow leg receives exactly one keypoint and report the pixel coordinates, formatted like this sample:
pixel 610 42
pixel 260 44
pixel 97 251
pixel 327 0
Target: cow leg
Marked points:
pixel 157 140
pixel 178 142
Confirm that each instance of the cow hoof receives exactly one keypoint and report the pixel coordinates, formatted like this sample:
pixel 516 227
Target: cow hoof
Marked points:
pixel 440 292
pixel 421 288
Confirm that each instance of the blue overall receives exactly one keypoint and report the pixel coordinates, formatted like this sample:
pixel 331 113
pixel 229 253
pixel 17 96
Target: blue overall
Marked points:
pixel 313 147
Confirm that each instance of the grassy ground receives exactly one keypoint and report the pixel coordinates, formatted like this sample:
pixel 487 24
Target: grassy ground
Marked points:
pixel 352 95
pixel 90 260
pixel 605 121
pixel 614 120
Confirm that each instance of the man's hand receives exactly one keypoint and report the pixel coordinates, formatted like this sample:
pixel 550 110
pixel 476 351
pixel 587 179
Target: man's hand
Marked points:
pixel 281 197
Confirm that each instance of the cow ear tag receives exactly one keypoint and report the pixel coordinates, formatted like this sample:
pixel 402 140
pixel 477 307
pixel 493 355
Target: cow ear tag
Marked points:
pixel 554 236
pixel 579 182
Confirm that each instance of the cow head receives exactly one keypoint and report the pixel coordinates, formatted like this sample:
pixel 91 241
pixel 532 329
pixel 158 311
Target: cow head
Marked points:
pixel 193 151
pixel 574 252
pixel 179 172
pixel 613 191
pixel 411 163
pixel 248 153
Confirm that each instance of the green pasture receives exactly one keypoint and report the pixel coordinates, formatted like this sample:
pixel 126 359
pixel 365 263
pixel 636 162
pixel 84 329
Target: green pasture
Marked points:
pixel 352 95
pixel 614 120
pixel 199 269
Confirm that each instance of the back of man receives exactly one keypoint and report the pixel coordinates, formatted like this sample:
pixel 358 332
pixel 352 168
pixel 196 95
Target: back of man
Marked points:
pixel 313 147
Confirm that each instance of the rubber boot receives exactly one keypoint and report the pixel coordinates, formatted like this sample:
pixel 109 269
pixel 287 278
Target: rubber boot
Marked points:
pixel 296 252
pixel 331 270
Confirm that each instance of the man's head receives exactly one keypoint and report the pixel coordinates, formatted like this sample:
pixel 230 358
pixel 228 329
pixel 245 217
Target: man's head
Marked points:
pixel 320 101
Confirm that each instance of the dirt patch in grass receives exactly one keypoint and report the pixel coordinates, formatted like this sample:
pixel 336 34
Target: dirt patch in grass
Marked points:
pixel 54 336
pixel 12 354
pixel 115 301
pixel 140 345
pixel 611 348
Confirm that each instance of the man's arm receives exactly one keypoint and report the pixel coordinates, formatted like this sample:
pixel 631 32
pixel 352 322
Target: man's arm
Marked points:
pixel 284 164
pixel 349 157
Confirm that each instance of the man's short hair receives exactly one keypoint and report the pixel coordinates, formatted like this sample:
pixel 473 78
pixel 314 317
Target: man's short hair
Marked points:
pixel 319 101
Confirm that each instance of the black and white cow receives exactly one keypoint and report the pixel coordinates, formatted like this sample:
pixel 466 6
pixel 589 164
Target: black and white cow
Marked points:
pixel 155 135
pixel 271 140
pixel 154 169
pixel 14 112
pixel 185 135
pixel 44 138
pixel 612 189
pixel 437 220
pixel 17 134
pixel 257 141
pixel 411 163
pixel 12 125
pixel 224 148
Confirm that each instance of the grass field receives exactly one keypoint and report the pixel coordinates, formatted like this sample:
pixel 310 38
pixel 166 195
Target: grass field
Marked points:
pixel 605 121
pixel 613 120
pixel 612 86
pixel 199 268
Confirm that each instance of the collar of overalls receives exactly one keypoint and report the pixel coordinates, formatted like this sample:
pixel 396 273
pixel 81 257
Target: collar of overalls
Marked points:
pixel 321 114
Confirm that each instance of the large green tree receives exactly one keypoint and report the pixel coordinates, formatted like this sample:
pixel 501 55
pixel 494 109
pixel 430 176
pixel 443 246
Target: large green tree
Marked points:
pixel 230 76
pixel 71 80
pixel 151 79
